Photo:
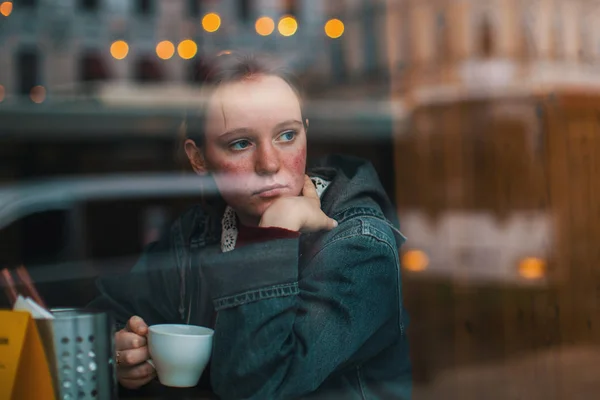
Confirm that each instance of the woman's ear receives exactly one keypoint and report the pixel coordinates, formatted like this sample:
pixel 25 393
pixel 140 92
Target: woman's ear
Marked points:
pixel 194 154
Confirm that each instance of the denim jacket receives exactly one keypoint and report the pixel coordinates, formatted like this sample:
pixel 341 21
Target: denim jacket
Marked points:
pixel 319 317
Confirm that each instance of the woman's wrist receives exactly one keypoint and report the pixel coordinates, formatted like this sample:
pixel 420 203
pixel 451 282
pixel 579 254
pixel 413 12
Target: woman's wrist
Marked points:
pixel 283 223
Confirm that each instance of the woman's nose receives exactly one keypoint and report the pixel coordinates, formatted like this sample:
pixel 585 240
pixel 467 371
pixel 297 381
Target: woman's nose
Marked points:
pixel 267 160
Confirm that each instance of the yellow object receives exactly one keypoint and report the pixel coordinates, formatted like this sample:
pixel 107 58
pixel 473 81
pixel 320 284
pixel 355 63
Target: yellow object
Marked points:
pixel 6 8
pixel 264 26
pixel 211 22
pixel 532 268
pixel 119 49
pixel 415 261
pixel 334 28
pixel 287 26
pixel 187 49
pixel 165 50
pixel 24 370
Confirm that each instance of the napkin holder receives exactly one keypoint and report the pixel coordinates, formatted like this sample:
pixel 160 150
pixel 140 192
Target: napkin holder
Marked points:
pixel 24 369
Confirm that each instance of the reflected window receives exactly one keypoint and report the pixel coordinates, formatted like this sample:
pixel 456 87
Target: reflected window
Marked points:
pixel 290 7
pixel 194 8
pixel 91 68
pixel 148 70
pixel 486 38
pixel 199 70
pixel 443 38
pixel 144 7
pixel 338 61
pixel 89 5
pixel 27 70
pixel 244 10
pixel 28 3
pixel 370 38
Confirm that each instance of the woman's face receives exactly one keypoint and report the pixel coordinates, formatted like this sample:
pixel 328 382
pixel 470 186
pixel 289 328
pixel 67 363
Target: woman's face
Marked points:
pixel 254 130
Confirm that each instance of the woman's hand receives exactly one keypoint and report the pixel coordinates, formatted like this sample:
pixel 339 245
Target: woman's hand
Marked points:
pixel 302 213
pixel 132 353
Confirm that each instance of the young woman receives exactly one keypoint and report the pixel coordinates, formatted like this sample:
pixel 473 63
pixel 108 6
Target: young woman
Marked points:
pixel 298 273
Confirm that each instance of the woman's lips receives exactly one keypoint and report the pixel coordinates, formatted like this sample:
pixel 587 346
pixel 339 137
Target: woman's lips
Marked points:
pixel 271 191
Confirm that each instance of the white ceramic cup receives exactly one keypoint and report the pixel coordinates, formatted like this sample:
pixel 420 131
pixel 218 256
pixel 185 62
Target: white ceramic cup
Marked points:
pixel 179 353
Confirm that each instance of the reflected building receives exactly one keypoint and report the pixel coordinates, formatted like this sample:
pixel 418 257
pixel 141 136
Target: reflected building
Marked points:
pixel 497 174
pixel 489 87
pixel 65 45
pixel 102 67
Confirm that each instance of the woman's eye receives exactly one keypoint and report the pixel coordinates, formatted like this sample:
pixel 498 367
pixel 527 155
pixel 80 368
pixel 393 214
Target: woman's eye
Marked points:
pixel 287 136
pixel 239 145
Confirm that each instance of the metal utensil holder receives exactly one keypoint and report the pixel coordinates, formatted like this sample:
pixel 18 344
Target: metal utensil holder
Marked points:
pixel 80 346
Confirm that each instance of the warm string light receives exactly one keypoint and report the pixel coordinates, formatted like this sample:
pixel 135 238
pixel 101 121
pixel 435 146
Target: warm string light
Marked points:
pixel 264 26
pixel 187 49
pixel 334 28
pixel 532 268
pixel 119 49
pixel 37 94
pixel 415 260
pixel 165 50
pixel 6 8
pixel 287 26
pixel 211 22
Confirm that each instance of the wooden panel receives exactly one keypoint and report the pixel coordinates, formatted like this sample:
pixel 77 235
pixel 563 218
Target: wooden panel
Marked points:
pixel 502 157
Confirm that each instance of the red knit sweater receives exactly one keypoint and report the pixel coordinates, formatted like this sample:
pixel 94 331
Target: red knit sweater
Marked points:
pixel 247 235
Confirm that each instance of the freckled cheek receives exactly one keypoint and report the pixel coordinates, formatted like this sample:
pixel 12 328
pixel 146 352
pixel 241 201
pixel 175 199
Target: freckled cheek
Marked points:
pixel 233 173
pixel 296 164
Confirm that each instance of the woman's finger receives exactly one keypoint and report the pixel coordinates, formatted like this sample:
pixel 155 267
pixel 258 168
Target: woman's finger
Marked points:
pixel 309 190
pixel 128 340
pixel 329 223
pixel 137 325
pixel 136 383
pixel 140 371
pixel 133 357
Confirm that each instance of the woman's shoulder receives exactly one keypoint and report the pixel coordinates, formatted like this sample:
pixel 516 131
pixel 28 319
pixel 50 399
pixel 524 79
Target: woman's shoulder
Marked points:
pixel 356 198
pixel 195 224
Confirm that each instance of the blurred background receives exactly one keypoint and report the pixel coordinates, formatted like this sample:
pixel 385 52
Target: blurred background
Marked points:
pixel 481 117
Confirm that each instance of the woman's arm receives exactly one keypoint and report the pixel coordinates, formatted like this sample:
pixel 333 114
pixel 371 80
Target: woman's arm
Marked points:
pixel 280 333
pixel 149 290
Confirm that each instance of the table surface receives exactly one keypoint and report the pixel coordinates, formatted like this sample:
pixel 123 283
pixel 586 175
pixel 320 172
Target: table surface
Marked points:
pixel 154 390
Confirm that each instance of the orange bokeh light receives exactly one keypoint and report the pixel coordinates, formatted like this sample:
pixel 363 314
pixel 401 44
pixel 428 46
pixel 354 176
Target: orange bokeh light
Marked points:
pixel 6 8
pixel 119 49
pixel 532 268
pixel 334 28
pixel 187 49
pixel 287 26
pixel 415 260
pixel 211 22
pixel 264 26
pixel 165 50
pixel 38 94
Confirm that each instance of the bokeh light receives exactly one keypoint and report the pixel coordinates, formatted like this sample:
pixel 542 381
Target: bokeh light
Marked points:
pixel 334 28
pixel 37 94
pixel 532 268
pixel 211 22
pixel 119 49
pixel 287 26
pixel 223 53
pixel 1 93
pixel 6 8
pixel 187 49
pixel 165 50
pixel 415 260
pixel 264 26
